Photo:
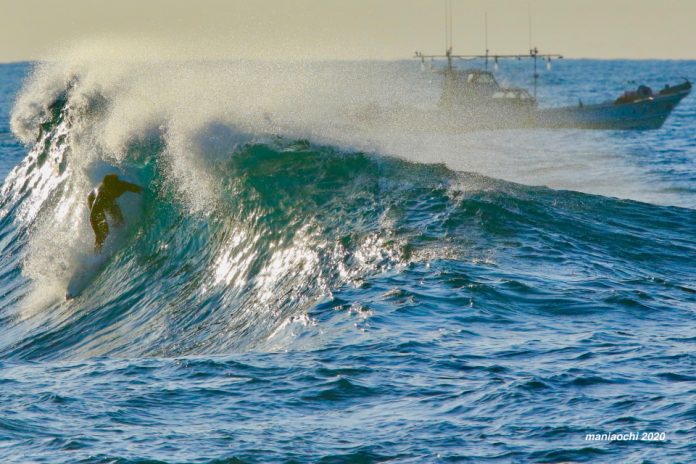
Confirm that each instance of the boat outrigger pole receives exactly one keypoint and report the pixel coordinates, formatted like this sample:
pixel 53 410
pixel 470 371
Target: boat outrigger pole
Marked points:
pixel 533 54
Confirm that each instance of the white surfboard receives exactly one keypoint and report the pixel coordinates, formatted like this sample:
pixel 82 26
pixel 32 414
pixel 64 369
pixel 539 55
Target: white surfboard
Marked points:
pixel 86 274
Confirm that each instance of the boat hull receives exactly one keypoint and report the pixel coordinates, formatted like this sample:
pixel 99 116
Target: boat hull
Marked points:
pixel 640 115
pixel 648 113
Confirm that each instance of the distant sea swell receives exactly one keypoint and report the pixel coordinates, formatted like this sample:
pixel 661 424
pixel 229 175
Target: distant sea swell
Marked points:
pixel 286 294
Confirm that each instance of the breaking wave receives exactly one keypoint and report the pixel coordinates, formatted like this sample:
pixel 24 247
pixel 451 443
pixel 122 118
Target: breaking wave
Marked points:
pixel 260 201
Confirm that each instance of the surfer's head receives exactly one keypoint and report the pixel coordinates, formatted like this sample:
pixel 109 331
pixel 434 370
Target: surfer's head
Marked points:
pixel 110 179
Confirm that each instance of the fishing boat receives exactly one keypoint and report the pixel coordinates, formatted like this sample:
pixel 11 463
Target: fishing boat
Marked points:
pixel 474 97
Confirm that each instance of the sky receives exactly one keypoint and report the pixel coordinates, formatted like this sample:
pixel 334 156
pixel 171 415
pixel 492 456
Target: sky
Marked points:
pixel 351 29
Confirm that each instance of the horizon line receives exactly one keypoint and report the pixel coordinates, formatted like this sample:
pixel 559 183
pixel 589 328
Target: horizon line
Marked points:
pixel 491 55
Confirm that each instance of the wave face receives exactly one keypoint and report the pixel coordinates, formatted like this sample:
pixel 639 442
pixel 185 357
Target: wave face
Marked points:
pixel 307 284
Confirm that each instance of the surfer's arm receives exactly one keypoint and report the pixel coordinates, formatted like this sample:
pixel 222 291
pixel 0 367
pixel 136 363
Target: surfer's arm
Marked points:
pixel 124 186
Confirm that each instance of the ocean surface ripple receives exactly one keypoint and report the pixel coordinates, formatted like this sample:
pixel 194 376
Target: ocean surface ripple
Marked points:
pixel 289 290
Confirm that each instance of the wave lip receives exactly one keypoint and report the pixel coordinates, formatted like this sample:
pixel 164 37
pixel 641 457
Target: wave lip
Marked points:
pixel 288 222
pixel 319 294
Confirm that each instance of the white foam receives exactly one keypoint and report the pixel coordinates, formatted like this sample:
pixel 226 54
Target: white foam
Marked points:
pixel 202 111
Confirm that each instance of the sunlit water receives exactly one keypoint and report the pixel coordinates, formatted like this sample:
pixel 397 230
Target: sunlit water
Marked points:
pixel 291 289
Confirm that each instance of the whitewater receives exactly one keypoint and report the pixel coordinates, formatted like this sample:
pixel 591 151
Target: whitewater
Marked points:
pixel 296 286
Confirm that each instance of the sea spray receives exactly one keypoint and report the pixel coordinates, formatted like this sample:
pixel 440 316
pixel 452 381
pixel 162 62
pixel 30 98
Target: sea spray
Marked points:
pixel 292 290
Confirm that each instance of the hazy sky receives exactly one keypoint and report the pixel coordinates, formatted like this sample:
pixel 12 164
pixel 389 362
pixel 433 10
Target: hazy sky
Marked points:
pixel 389 29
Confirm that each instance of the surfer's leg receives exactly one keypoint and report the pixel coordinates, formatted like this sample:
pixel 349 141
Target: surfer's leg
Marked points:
pixel 100 227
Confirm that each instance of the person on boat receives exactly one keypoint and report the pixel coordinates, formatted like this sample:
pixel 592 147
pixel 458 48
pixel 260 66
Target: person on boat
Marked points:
pixel 102 201
pixel 671 89
pixel 644 91
pixel 631 96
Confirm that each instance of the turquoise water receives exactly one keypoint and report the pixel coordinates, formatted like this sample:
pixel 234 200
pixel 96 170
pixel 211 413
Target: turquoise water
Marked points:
pixel 291 288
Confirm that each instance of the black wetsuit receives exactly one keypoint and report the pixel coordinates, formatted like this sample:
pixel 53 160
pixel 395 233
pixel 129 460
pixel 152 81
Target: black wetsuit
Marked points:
pixel 103 201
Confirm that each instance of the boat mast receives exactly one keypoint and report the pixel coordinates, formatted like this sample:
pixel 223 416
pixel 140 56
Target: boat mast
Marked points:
pixel 533 54
pixel 448 33
pixel 533 51
pixel 485 24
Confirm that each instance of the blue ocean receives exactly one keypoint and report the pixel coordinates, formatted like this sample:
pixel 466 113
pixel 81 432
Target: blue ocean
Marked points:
pixel 293 285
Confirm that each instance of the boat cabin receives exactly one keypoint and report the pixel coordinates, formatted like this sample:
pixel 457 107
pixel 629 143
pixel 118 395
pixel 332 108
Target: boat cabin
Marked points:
pixel 476 87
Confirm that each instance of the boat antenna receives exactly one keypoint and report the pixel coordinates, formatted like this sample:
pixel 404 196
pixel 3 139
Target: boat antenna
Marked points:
pixel 485 22
pixel 448 32
pixel 533 52
pixel 529 24
pixel 446 27
pixel 450 25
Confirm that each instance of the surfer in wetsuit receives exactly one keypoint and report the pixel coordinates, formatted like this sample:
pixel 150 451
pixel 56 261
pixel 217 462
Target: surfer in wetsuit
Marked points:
pixel 102 201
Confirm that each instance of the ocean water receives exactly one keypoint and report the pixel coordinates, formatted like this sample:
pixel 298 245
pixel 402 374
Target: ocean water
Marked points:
pixel 293 286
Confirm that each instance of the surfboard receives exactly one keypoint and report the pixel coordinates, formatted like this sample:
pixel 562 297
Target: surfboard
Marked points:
pixel 85 275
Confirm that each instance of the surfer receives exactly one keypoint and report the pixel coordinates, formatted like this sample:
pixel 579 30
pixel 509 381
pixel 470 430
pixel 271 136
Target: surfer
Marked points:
pixel 102 201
